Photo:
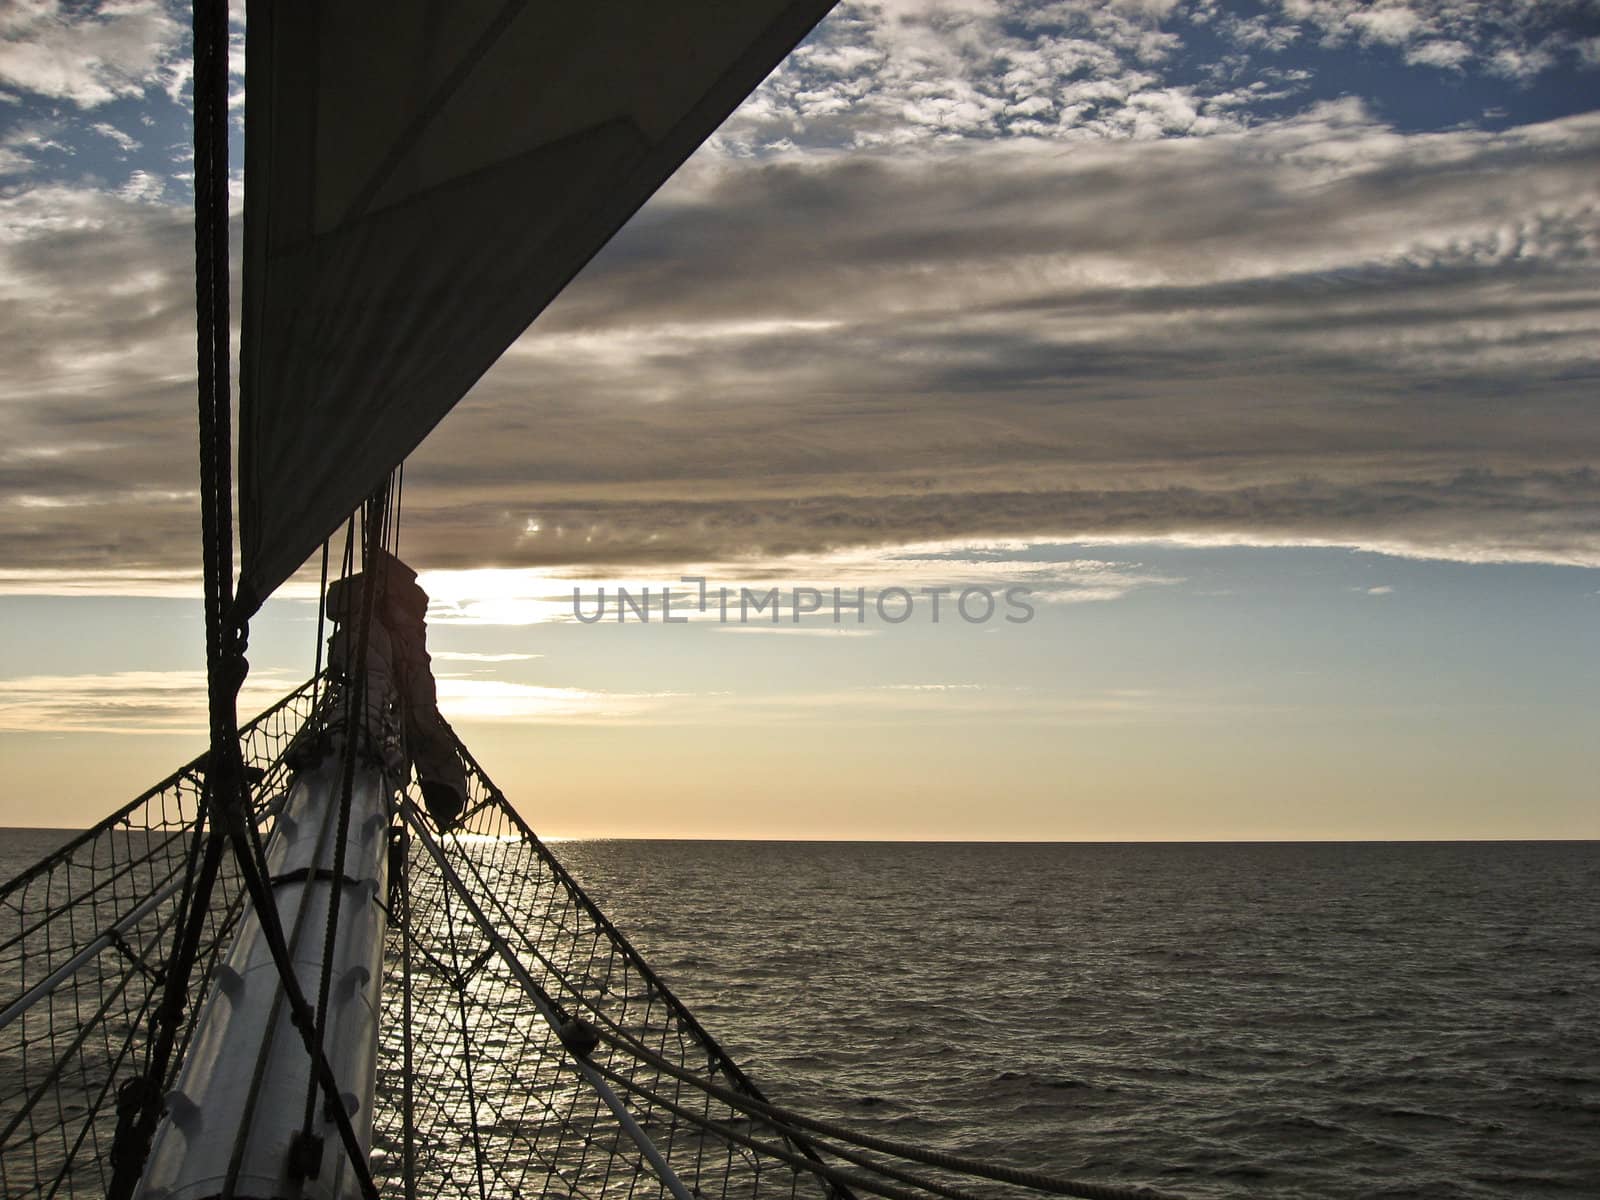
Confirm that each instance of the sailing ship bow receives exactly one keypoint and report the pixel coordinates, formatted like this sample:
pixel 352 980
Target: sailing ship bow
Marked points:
pixel 423 178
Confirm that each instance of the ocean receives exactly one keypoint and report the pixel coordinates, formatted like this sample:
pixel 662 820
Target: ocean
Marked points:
pixel 1289 1020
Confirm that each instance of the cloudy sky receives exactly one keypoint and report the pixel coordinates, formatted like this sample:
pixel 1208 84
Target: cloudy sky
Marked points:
pixel 1256 341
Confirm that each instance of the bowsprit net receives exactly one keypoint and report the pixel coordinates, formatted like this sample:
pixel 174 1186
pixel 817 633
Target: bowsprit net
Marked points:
pixel 525 1048
pixel 85 939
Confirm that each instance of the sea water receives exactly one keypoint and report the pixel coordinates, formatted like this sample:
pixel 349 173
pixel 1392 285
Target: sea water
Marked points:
pixel 1327 1020
pixel 1293 1020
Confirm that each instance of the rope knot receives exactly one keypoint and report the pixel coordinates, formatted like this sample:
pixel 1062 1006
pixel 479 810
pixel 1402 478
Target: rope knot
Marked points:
pixel 578 1036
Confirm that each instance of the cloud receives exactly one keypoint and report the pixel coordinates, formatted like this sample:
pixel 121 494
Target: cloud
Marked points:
pixel 463 656
pixel 888 73
pixel 1508 37
pixel 174 702
pixel 123 141
pixel 1320 329
pixel 798 630
pixel 1443 53
pixel 130 702
pixel 86 58
pixel 144 186
pixel 929 577
pixel 495 700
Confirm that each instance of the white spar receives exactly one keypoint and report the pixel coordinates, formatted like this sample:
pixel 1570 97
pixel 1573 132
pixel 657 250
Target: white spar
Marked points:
pixel 242 1090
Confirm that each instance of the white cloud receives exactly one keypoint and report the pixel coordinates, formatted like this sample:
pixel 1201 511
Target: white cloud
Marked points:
pixel 1394 24
pixel 1305 328
pixel 88 59
pixel 495 700
pixel 143 186
pixel 463 656
pixel 799 630
pixel 527 596
pixel 110 132
pixel 1443 53
pixel 130 702
pixel 1521 62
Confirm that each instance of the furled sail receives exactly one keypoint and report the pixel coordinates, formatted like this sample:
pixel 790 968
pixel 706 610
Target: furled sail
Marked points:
pixel 422 178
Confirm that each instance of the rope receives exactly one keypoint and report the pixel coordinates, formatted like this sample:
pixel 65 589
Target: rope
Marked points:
pixel 301 1016
pixel 399 492
pixel 322 613
pixel 1036 1180
pixel 224 774
pixel 370 527
pixel 242 1134
pixel 723 1130
pixel 832 1174
pixel 408 1156
pixel 225 794
pixel 719 1058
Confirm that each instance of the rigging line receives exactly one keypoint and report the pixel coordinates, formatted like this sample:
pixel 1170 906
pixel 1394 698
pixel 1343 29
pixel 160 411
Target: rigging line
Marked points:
pixel 718 1056
pixel 69 1160
pixel 388 509
pixel 933 1158
pixel 155 859
pixel 896 1173
pixel 576 996
pixel 352 747
pixel 204 154
pixel 322 613
pixel 541 1002
pixel 602 922
pixel 85 1029
pixel 399 492
pixel 128 1161
pixel 349 560
pixel 300 1014
pixel 790 1134
pixel 832 1174
pixel 408 1159
pixel 466 1047
pixel 241 1139
pixel 46 986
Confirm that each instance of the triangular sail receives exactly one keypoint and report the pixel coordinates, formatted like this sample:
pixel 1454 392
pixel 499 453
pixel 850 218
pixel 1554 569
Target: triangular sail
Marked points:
pixel 422 178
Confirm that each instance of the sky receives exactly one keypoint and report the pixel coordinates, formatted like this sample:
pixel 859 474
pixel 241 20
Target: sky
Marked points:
pixel 1254 345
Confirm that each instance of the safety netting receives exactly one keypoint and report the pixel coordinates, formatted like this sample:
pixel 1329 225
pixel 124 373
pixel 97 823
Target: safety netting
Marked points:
pixel 503 976
pixel 86 936
pixel 525 1048
pixel 489 939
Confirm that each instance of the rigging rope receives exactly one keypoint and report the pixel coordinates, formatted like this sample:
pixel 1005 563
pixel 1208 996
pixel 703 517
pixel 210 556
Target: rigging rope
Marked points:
pixel 399 492
pixel 358 715
pixel 225 798
pixel 1037 1180
pixel 139 1099
pixel 322 613
pixel 832 1174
